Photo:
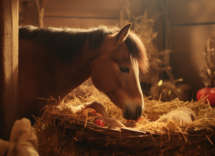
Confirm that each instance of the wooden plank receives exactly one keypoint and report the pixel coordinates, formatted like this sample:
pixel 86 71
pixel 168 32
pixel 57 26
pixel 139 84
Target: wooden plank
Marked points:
pixel 60 14
pixel 1 68
pixel 87 23
pixel 9 65
pixel 90 13
pixel 191 11
pixel 92 8
pixel 77 22
pixel 186 60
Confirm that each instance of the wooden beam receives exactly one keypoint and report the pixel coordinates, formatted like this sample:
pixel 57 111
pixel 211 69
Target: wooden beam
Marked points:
pixel 93 8
pixel 8 65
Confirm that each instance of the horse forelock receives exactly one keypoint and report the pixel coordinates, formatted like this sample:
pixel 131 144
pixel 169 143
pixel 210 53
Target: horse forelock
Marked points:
pixel 137 50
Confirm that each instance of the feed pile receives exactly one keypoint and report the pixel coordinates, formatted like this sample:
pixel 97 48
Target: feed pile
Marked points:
pixel 63 130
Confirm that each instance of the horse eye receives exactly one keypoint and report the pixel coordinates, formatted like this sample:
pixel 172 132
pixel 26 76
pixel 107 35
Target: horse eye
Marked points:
pixel 125 70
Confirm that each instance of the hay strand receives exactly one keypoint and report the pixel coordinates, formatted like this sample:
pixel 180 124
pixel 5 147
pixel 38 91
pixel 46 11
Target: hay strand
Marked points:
pixel 64 132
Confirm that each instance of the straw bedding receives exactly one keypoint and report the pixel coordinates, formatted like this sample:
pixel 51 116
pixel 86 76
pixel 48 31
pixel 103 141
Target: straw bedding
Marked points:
pixel 63 131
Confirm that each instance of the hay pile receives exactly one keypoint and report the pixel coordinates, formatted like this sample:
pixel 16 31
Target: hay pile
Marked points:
pixel 62 132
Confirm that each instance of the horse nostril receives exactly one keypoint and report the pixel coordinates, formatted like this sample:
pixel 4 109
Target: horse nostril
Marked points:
pixel 139 112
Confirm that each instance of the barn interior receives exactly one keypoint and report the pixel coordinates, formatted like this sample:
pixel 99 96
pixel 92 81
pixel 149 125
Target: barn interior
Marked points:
pixel 178 37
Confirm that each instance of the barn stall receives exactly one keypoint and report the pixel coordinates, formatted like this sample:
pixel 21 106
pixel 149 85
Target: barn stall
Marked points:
pixel 175 34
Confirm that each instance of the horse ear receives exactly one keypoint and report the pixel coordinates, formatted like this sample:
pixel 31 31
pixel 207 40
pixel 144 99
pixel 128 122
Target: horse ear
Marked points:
pixel 121 36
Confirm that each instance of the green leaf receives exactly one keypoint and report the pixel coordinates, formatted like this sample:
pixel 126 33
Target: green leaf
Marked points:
pixel 160 82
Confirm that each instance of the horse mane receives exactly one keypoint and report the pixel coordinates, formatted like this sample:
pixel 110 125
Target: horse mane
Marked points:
pixel 67 42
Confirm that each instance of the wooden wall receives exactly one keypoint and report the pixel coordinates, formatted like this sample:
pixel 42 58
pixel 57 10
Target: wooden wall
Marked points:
pixel 192 22
pixel 85 13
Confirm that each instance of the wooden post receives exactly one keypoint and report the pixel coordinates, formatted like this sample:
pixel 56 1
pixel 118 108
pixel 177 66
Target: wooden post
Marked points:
pixel 8 65
pixel 40 12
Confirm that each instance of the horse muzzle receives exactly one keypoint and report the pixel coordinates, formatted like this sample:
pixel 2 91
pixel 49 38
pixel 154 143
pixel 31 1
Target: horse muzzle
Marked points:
pixel 131 108
pixel 132 114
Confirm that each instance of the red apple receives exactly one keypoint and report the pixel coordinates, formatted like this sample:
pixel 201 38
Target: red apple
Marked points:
pixel 99 122
pixel 210 92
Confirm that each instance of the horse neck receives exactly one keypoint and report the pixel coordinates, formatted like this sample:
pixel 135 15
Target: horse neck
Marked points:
pixel 79 69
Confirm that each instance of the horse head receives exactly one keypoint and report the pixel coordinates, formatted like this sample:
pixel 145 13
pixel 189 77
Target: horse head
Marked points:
pixel 116 71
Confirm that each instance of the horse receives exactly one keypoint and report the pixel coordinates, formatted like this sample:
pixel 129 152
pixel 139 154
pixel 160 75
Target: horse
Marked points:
pixel 54 61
